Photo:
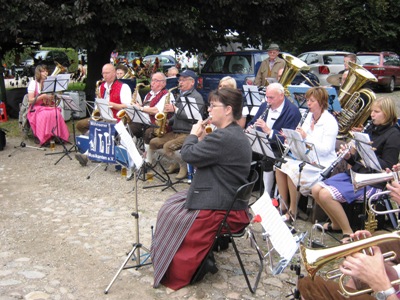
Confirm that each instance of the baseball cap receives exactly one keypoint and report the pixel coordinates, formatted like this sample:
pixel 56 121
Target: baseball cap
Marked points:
pixel 188 73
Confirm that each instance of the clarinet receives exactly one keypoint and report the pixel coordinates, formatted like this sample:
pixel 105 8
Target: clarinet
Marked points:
pixel 329 170
pixel 303 118
pixel 265 112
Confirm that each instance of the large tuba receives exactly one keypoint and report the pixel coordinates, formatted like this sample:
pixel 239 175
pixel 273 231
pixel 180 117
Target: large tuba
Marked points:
pixel 130 74
pixel 354 100
pixel 292 66
pixel 315 259
pixel 59 69
pixel 161 117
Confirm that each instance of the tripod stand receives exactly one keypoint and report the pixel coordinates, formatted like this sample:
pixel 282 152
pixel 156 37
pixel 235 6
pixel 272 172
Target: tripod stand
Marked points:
pixel 24 145
pixel 135 251
pixel 71 106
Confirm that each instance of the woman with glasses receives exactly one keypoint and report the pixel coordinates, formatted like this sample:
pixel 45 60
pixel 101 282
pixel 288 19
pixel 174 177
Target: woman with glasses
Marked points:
pixel 319 132
pixel 187 223
pixel 44 118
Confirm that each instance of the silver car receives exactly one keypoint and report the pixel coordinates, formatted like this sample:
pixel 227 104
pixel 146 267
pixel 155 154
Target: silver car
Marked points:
pixel 324 63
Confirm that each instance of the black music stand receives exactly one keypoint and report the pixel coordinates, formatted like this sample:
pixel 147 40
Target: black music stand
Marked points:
pixel 253 98
pixel 69 105
pixel 54 84
pixel 260 144
pixel 132 157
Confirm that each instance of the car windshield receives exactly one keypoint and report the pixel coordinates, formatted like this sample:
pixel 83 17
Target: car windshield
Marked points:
pixel 40 55
pixel 337 59
pixel 368 59
pixel 229 64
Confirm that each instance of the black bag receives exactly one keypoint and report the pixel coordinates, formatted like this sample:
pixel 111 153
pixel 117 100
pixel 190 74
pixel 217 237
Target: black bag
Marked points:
pixel 2 139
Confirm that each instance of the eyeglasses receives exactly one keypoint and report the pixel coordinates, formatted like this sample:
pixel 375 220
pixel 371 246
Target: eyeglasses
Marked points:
pixel 157 80
pixel 185 78
pixel 211 106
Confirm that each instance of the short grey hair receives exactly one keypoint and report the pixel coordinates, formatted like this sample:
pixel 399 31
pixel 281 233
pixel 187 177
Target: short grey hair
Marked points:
pixel 276 86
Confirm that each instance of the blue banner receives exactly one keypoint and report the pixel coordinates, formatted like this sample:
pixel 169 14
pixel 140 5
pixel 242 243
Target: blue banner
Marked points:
pixel 101 142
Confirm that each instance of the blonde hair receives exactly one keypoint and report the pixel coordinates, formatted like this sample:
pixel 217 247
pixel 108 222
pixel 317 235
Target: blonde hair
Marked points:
pixel 388 108
pixel 229 81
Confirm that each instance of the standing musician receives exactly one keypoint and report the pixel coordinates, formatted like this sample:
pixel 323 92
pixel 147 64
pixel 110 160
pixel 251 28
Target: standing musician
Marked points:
pixel 172 141
pixel 44 118
pixel 154 102
pixel 275 113
pixel 118 95
pixel 320 129
pixel 338 189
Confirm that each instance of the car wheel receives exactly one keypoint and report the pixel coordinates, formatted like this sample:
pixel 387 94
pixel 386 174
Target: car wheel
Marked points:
pixel 390 87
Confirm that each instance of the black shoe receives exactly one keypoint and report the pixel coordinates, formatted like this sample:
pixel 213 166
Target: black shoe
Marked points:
pixel 209 266
pixel 221 244
pixel 83 160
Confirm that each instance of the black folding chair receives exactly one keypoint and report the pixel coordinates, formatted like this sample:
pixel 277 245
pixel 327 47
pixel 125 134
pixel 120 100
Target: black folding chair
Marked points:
pixel 243 194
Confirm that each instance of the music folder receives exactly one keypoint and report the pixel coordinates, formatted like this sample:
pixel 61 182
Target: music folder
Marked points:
pixel 105 110
pixel 259 142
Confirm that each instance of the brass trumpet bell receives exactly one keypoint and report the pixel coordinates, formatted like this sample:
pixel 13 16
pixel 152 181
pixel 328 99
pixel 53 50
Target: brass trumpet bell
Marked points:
pixel 362 180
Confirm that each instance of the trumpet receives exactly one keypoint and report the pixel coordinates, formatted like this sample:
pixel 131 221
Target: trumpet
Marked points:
pixel 362 180
pixel 207 126
pixel 315 259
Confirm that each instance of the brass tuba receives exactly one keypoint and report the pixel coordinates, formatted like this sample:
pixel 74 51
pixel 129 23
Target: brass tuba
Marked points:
pixel 59 69
pixel 130 74
pixel 354 100
pixel 292 66
pixel 315 259
pixel 161 117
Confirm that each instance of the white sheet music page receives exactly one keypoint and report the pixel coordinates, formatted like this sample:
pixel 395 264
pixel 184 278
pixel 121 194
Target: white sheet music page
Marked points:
pixel 366 151
pixel 105 111
pixel 191 108
pixel 253 98
pixel 135 159
pixel 279 234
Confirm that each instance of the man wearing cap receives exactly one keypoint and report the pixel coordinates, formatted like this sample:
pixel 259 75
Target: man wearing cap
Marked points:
pixel 181 123
pixel 269 67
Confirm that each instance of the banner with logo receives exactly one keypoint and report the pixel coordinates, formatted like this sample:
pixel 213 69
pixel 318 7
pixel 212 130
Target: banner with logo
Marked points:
pixel 101 142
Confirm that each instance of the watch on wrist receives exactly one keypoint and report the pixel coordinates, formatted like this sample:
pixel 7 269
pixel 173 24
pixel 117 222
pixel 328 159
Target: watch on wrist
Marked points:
pixel 382 295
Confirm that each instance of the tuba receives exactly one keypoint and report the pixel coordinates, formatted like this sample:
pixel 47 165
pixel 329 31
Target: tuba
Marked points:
pixel 59 69
pixel 292 66
pixel 130 74
pixel 161 117
pixel 354 100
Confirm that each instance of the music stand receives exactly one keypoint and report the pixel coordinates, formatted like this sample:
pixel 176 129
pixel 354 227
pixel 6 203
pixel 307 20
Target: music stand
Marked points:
pixel 253 98
pixel 364 148
pixel 105 110
pixel 135 161
pixel 69 105
pixel 53 84
pixel 260 144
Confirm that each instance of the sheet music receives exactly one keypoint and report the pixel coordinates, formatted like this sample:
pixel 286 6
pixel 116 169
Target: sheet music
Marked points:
pixel 57 83
pixel 366 152
pixel 253 98
pixel 68 103
pixel 136 159
pixel 279 234
pixel 105 111
pixel 300 149
pixel 259 142
pixel 191 109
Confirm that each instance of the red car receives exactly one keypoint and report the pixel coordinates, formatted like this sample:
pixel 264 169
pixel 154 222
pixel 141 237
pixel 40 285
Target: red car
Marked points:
pixel 384 65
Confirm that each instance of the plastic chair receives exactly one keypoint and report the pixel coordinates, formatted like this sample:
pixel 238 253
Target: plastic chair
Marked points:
pixel 243 194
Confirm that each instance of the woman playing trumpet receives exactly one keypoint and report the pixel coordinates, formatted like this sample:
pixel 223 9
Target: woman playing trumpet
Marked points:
pixel 45 120
pixel 338 189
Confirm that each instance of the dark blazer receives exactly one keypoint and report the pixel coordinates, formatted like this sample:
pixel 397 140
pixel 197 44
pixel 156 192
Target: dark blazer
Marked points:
pixel 222 162
pixel 289 118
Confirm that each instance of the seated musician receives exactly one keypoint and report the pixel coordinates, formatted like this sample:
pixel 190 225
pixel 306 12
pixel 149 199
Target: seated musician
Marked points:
pixel 319 130
pixel 195 215
pixel 281 114
pixel 118 95
pixel 385 137
pixel 172 141
pixel 44 118
pixel 153 103
pixel 124 77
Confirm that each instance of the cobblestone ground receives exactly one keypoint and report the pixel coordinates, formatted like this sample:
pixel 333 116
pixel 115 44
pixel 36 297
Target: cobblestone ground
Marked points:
pixel 64 236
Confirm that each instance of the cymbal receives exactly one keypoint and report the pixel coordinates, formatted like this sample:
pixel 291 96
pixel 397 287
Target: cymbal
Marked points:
pixel 335 80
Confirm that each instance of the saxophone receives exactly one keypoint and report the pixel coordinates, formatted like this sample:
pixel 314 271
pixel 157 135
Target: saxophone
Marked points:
pixel 161 117
pixel 122 114
pixel 96 116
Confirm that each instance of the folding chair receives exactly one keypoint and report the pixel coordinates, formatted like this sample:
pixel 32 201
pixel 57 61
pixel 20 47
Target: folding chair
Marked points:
pixel 243 194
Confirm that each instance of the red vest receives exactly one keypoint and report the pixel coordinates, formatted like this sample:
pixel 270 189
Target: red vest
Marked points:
pixel 115 92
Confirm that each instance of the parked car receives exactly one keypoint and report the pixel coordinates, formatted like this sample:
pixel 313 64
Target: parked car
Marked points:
pixel 385 66
pixel 242 66
pixel 324 63
pixel 45 57
pixel 166 61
